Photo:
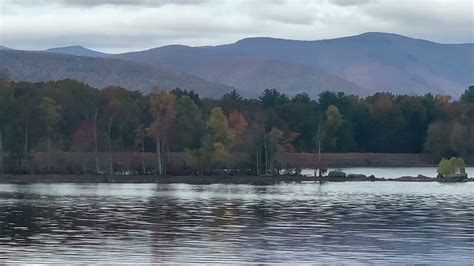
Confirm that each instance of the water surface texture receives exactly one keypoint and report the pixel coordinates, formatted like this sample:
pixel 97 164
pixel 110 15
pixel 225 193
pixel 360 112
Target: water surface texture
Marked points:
pixel 360 222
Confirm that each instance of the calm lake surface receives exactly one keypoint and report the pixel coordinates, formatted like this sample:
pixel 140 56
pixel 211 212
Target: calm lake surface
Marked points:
pixel 391 172
pixel 359 222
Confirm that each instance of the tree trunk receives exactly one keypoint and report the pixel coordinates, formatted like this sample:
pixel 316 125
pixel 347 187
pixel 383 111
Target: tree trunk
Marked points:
pixel 227 168
pixel 95 142
pixel 27 154
pixel 26 136
pixel 165 161
pixel 2 170
pixel 319 148
pixel 109 142
pixel 319 144
pixel 256 166
pixel 83 164
pixel 260 155
pixel 271 157
pixel 143 155
pixel 265 150
pixel 120 162
pixel 48 156
pixel 164 155
pixel 158 155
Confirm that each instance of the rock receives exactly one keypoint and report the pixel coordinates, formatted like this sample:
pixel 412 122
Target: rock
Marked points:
pixel 406 178
pixel 419 178
pixel 424 177
pixel 336 174
pixel 457 176
pixel 454 178
pixel 357 177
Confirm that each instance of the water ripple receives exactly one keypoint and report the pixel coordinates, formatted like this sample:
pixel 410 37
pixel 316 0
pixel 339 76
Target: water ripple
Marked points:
pixel 352 223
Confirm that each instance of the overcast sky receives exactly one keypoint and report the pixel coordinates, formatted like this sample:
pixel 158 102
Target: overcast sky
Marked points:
pixel 125 25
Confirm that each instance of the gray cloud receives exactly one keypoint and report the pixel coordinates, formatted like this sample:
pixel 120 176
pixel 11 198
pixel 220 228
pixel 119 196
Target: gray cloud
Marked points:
pixel 123 25
pixel 349 2
pixel 285 12
pixel 93 3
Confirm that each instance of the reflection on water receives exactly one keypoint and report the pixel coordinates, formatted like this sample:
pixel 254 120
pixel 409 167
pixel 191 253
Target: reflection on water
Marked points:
pixel 378 222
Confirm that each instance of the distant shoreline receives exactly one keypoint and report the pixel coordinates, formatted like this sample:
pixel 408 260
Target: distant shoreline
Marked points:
pixel 196 180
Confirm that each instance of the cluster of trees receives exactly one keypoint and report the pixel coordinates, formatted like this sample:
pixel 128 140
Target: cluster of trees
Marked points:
pixel 452 166
pixel 40 119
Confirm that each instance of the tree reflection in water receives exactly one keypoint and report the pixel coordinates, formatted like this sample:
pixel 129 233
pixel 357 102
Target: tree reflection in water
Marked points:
pixel 184 223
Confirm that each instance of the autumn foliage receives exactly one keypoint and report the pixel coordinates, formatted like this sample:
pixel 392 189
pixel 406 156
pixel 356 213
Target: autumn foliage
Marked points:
pixel 228 135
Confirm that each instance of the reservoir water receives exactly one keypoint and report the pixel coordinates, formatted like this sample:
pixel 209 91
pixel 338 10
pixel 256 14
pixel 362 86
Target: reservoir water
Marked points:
pixel 353 222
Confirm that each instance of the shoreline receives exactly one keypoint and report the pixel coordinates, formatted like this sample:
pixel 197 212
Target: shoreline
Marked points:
pixel 198 180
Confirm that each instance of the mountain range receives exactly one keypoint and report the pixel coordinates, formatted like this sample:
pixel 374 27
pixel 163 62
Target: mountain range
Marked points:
pixel 361 65
pixel 100 72
pixel 77 50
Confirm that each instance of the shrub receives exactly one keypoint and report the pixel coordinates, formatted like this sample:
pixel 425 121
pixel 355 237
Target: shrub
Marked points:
pixel 452 166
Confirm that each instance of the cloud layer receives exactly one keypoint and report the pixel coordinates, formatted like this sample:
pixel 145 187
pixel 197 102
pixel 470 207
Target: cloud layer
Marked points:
pixel 123 25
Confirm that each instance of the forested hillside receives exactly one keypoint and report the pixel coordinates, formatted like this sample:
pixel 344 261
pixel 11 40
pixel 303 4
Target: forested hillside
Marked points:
pixel 69 116
pixel 100 72
pixel 361 65
pixel 373 61
pixel 247 74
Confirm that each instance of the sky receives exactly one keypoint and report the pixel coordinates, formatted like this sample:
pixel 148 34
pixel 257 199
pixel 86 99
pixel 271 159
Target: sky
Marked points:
pixel 128 25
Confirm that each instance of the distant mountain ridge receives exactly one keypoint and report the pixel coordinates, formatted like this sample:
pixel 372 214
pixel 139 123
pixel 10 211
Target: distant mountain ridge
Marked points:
pixel 77 50
pixel 250 75
pixel 101 72
pixel 361 64
pixel 372 61
pixel 377 61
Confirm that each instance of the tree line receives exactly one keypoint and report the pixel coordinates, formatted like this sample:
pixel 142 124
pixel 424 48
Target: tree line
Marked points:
pixel 40 121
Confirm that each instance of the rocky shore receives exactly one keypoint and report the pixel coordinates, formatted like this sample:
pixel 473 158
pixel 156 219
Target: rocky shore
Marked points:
pixel 195 180
pixel 334 176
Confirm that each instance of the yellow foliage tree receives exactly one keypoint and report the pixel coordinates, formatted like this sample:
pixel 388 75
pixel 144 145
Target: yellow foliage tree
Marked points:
pixel 162 105
pixel 50 116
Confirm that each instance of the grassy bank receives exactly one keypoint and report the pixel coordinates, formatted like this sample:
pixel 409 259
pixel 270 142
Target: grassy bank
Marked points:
pixel 79 163
pixel 343 160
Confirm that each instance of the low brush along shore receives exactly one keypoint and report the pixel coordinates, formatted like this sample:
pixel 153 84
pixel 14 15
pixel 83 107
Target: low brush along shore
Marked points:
pixel 196 180
pixel 296 160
